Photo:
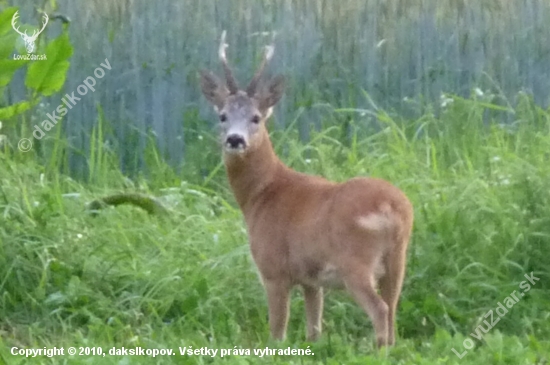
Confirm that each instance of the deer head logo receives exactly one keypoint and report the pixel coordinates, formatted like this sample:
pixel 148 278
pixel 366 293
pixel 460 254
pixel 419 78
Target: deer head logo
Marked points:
pixel 29 39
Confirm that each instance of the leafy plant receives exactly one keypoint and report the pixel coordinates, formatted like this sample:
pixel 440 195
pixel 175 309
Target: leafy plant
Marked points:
pixel 43 77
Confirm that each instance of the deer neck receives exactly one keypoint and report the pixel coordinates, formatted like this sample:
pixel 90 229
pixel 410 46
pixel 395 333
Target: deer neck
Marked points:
pixel 250 173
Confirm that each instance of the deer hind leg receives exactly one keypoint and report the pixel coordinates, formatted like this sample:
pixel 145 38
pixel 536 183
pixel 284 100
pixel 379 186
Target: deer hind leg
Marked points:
pixel 360 283
pixel 278 300
pixel 313 297
pixel 390 286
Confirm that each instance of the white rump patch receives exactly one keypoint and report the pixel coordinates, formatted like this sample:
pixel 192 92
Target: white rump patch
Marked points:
pixel 378 221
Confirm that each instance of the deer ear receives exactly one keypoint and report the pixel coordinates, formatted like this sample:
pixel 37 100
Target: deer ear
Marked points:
pixel 213 89
pixel 272 93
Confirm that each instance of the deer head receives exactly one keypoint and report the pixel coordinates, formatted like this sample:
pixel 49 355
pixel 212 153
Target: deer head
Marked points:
pixel 242 113
pixel 29 39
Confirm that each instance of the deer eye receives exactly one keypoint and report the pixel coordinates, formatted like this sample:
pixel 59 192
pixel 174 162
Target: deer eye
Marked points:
pixel 223 118
pixel 256 119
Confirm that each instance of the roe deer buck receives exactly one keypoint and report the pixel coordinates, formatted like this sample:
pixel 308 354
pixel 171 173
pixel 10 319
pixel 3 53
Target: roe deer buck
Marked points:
pixel 305 230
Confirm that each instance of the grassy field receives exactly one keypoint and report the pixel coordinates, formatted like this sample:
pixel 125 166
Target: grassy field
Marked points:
pixel 481 192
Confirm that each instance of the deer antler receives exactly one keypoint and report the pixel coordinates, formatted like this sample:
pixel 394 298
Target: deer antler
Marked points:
pixel 269 50
pixel 13 20
pixel 44 23
pixel 36 33
pixel 230 80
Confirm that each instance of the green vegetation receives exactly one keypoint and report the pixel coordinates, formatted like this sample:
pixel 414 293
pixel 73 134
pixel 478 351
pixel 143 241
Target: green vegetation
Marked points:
pixel 125 278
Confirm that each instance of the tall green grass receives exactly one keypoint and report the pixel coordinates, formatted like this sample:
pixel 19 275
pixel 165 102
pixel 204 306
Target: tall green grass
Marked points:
pixel 327 50
pixel 481 192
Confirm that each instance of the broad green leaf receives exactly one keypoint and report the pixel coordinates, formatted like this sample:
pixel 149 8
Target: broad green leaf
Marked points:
pixel 7 69
pixel 5 20
pixel 48 76
pixel 15 109
pixel 7 45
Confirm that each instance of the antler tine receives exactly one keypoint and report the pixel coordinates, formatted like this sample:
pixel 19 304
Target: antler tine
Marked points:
pixel 13 21
pixel 230 80
pixel 44 23
pixel 36 33
pixel 269 50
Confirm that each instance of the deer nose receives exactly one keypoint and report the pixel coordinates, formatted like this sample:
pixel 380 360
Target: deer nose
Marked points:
pixel 235 141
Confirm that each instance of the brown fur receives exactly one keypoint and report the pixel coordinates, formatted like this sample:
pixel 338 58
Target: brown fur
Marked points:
pixel 307 231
